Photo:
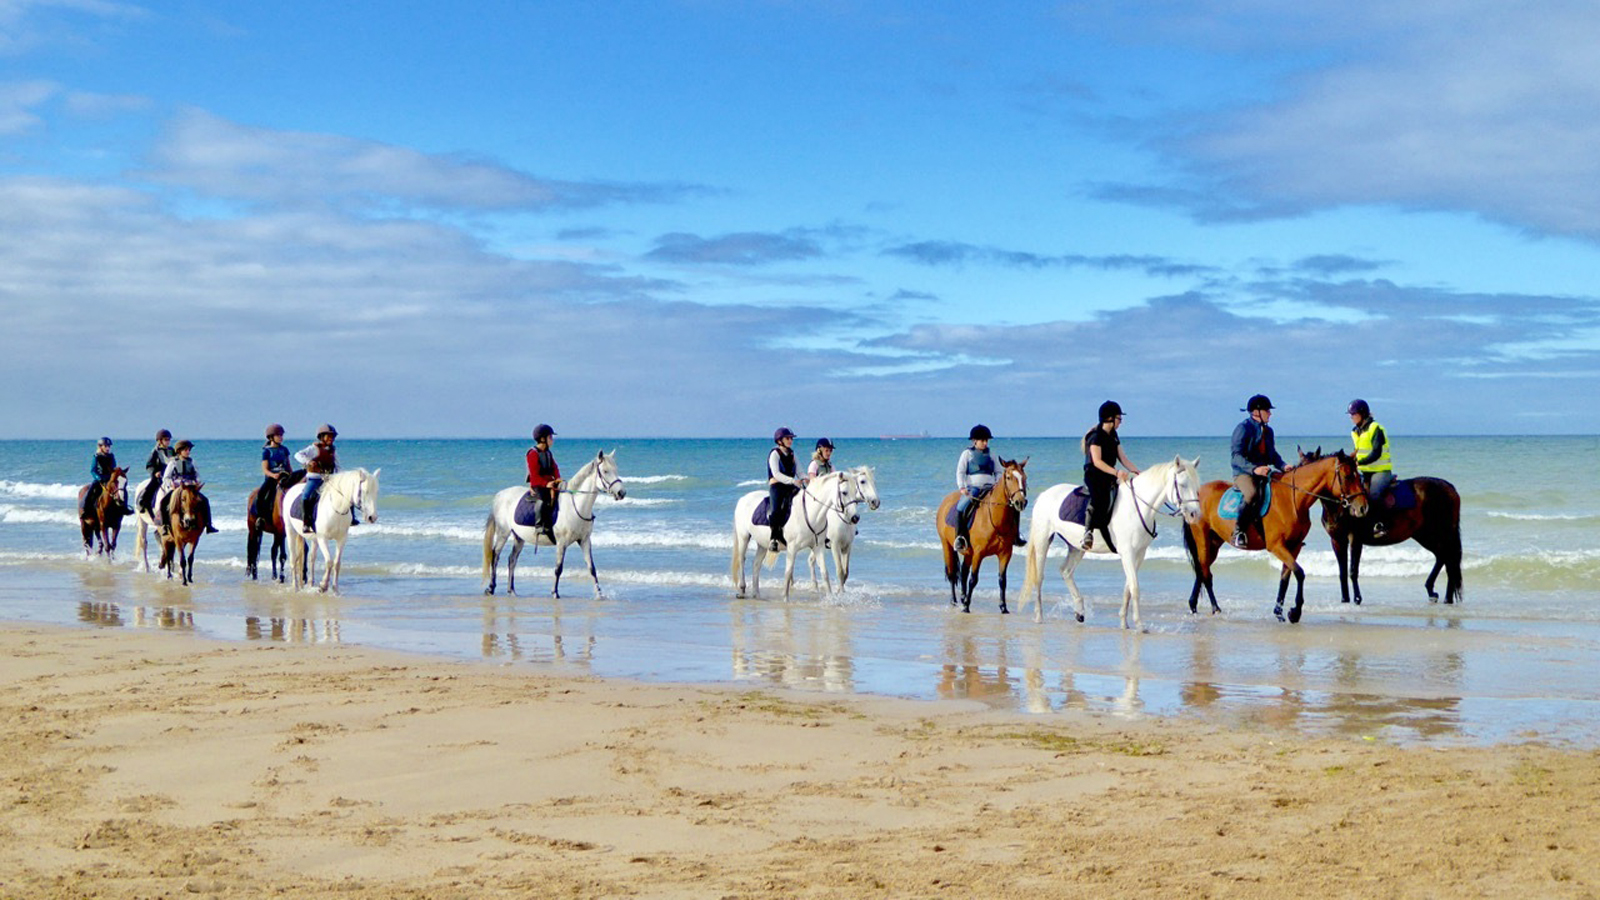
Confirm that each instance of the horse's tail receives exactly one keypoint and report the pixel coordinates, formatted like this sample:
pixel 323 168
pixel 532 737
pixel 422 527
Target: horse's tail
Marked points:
pixel 1039 538
pixel 1191 549
pixel 1452 550
pixel 488 547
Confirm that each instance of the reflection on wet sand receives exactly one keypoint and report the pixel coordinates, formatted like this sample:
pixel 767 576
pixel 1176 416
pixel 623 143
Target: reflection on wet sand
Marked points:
pixel 292 630
pixel 799 647
pixel 98 613
pixel 513 634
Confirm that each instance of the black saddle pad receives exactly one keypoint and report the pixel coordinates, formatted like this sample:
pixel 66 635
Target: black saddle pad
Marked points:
pixel 1401 495
pixel 953 518
pixel 763 512
pixel 527 512
pixel 1075 506
pixel 297 509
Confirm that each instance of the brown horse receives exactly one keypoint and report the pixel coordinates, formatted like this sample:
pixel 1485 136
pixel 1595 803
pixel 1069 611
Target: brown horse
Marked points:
pixel 261 523
pixel 102 522
pixel 1434 522
pixel 185 523
pixel 1284 525
pixel 993 533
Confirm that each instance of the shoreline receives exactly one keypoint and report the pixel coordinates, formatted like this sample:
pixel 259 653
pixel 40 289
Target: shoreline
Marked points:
pixel 149 762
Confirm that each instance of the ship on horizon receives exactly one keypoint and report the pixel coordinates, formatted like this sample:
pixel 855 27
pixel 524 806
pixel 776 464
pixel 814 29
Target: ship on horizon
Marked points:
pixel 904 437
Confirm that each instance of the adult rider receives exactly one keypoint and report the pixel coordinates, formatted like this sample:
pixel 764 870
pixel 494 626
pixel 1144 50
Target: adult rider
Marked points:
pixel 1371 443
pixel 1102 450
pixel 320 460
pixel 1255 458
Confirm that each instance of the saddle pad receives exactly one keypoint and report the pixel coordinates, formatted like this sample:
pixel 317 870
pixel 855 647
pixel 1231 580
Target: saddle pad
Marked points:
pixel 953 518
pixel 527 512
pixel 297 509
pixel 1401 495
pixel 1075 506
pixel 763 512
pixel 1228 506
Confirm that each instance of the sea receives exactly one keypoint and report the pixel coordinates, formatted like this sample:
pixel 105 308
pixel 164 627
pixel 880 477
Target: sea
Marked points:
pixel 1515 661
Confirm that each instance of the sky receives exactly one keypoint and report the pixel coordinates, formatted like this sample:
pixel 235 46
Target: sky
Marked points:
pixel 712 218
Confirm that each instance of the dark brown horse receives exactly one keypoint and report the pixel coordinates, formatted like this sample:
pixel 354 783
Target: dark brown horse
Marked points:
pixel 993 533
pixel 185 523
pixel 1284 525
pixel 102 522
pixel 259 523
pixel 1434 522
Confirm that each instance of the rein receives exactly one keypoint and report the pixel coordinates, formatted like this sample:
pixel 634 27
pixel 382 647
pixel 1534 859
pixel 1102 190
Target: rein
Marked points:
pixel 1176 507
pixel 593 468
pixel 1344 502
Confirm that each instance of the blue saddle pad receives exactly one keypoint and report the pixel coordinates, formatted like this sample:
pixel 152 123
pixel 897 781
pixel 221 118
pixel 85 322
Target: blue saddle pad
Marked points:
pixel 1228 506
pixel 1075 506
pixel 1401 495
pixel 762 514
pixel 527 512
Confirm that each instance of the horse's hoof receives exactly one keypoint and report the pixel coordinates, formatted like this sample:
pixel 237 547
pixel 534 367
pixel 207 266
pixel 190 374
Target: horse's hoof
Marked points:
pixel 1278 611
pixel 1004 611
pixel 488 592
pixel 1079 617
pixel 1294 616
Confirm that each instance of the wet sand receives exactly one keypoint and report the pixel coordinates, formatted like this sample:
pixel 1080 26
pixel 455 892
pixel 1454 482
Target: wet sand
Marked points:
pixel 143 763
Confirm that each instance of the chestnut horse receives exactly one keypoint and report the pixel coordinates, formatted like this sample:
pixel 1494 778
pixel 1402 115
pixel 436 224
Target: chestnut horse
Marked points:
pixel 103 521
pixel 261 522
pixel 1434 522
pixel 1283 528
pixel 184 524
pixel 994 530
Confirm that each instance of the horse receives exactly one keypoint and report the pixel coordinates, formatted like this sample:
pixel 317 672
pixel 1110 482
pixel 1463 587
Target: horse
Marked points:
pixel 344 494
pixel 832 495
pixel 260 521
pixel 1165 486
pixel 147 522
pixel 185 523
pixel 1284 525
pixel 841 529
pixel 995 527
pixel 103 522
pixel 1434 522
pixel 574 523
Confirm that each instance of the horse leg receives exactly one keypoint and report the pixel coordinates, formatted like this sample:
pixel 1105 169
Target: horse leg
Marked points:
pixel 952 569
pixel 561 560
pixel 1355 571
pixel 252 550
pixel 841 562
pixel 511 565
pixel 758 558
pixel 969 580
pixel 788 572
pixel 188 563
pixel 336 563
pixel 1130 582
pixel 327 559
pixel 280 557
pixel 1068 567
pixel 1341 555
pixel 1005 563
pixel 736 566
pixel 588 557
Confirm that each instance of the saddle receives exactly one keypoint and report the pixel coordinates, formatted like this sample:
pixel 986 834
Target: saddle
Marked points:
pixel 1401 495
pixel 763 512
pixel 1075 506
pixel 954 518
pixel 527 512
pixel 1232 500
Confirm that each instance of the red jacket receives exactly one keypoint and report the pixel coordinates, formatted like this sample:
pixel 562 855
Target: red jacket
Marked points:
pixel 537 476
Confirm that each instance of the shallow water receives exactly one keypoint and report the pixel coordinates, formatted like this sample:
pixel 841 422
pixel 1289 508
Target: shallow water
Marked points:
pixel 1512 663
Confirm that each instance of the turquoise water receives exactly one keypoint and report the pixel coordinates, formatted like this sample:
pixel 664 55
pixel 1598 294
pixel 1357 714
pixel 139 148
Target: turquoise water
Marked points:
pixel 1511 662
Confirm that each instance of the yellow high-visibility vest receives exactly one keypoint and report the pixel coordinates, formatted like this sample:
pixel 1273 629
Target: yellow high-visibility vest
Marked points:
pixel 1363 444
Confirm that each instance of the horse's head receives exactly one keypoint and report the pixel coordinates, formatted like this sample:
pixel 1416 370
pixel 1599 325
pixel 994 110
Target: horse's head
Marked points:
pixel 605 471
pixel 185 504
pixel 1186 487
pixel 366 498
pixel 1348 487
pixel 1014 483
pixel 867 484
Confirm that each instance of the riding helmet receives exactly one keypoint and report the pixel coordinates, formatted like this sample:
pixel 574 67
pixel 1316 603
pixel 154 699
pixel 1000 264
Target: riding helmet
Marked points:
pixel 980 433
pixel 542 431
pixel 163 433
pixel 105 442
pixel 274 429
pixel 1359 406
pixel 824 442
pixel 184 444
pixel 780 434
pixel 327 429
pixel 1259 401
pixel 1109 410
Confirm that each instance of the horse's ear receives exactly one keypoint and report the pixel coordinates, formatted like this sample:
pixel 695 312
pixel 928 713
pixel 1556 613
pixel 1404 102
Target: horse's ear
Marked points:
pixel 376 471
pixel 600 456
pixel 1024 463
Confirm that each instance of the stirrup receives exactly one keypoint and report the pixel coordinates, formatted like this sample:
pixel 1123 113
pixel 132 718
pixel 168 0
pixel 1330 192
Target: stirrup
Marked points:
pixel 1240 539
pixel 961 543
pixel 1088 539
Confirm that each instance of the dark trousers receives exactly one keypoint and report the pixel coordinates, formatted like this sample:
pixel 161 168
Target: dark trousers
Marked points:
pixel 780 497
pixel 545 502
pixel 1102 491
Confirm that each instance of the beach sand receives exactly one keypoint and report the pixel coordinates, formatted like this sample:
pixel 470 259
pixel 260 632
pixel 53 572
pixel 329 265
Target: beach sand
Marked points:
pixel 141 764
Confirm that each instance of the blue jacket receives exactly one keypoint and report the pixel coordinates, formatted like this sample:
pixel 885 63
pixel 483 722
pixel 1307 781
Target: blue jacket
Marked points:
pixel 1254 445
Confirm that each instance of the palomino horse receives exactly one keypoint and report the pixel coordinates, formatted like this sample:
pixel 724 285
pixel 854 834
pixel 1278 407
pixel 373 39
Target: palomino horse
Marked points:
pixel 259 522
pixel 841 529
pixel 574 523
pixel 102 522
pixel 834 495
pixel 1284 526
pixel 1170 487
pixel 343 494
pixel 994 531
pixel 185 523
pixel 1434 522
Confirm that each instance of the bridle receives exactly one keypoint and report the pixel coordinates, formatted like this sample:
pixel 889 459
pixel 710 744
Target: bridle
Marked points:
pixel 840 504
pixel 1171 506
pixel 603 484
pixel 1341 499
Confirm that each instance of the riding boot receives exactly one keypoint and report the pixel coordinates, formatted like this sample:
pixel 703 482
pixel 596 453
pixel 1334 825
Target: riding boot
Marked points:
pixel 210 528
pixel 1380 529
pixel 1088 528
pixel 309 514
pixel 1241 531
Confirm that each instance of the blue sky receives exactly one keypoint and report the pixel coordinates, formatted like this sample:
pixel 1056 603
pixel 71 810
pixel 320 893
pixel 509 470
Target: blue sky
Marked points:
pixel 711 218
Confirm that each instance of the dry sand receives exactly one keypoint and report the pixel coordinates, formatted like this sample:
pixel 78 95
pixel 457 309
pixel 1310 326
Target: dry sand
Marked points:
pixel 141 764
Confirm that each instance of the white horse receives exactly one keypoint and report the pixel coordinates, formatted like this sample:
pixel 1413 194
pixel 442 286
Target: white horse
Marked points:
pixel 147 524
pixel 574 523
pixel 1173 488
pixel 841 534
pixel 807 527
pixel 343 493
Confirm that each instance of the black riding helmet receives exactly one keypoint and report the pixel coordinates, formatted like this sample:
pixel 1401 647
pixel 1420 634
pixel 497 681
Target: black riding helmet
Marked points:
pixel 1259 401
pixel 184 444
pixel 163 433
pixel 824 442
pixel 542 431
pixel 1358 407
pixel 980 433
pixel 1109 410
pixel 780 434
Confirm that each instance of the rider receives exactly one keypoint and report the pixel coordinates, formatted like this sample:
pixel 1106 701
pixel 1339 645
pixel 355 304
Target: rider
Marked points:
pixel 1102 450
pixel 274 469
pixel 1255 458
pixel 156 465
pixel 1372 460
pixel 975 475
pixel 100 469
pixel 544 479
pixel 821 459
pixel 782 485
pixel 320 460
pixel 181 469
